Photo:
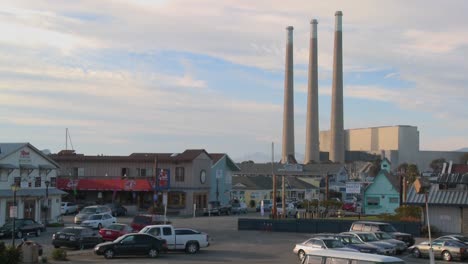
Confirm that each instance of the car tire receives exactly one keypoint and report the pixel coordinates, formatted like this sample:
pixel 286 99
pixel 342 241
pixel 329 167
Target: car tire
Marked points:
pixel 109 253
pixel 153 253
pixel 416 253
pixel 99 226
pixel 301 254
pixel 38 232
pixel 446 255
pixel 192 247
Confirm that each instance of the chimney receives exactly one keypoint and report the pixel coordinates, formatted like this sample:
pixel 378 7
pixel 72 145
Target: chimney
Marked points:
pixel 312 151
pixel 336 129
pixel 288 114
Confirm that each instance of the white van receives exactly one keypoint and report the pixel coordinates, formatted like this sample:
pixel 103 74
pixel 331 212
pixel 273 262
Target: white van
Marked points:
pixel 328 256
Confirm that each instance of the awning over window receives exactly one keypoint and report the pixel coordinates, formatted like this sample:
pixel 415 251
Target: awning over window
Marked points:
pixel 46 167
pixel 138 185
pixel 27 166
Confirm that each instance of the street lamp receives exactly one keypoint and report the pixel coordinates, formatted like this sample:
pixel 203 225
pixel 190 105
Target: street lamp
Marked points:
pixel 47 202
pixel 13 212
pixel 422 186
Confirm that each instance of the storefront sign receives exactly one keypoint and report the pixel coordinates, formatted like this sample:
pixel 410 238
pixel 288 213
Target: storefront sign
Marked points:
pixel 24 157
pixel 13 211
pixel 163 179
pixel 353 187
pixel 129 185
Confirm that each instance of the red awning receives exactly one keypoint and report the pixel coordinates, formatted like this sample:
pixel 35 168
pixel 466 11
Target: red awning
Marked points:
pixel 104 184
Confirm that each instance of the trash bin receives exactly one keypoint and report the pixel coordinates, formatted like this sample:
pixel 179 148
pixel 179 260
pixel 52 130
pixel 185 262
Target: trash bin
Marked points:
pixel 30 252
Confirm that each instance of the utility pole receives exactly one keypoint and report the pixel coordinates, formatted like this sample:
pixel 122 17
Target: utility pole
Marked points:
pixel 273 209
pixel 283 197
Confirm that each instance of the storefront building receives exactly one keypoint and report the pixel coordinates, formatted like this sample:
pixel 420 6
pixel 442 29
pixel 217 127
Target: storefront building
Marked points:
pixel 28 177
pixel 138 181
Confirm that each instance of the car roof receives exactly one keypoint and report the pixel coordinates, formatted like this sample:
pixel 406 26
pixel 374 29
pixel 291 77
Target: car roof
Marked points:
pixel 370 222
pixel 354 255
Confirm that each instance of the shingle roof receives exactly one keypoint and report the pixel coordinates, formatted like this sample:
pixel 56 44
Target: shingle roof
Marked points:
pixel 309 169
pixel 454 197
pixel 262 182
pixel 7 148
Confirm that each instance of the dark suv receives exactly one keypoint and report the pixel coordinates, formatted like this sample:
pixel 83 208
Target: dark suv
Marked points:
pixel 76 237
pixel 368 226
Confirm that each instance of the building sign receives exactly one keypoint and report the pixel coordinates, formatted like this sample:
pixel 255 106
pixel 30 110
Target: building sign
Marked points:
pixel 163 179
pixel 13 211
pixel 352 187
pixel 24 157
pixel 72 184
pixel 129 185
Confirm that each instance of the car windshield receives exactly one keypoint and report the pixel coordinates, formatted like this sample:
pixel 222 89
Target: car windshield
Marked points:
pixel 116 227
pixel 333 243
pixel 461 238
pixel 95 217
pixel 75 231
pixel 368 237
pixel 387 228
pixel 350 240
pixel 382 236
pixel 89 210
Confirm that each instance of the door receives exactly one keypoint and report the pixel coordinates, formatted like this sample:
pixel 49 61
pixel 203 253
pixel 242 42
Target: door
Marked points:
pixel 126 246
pixel 29 209
pixel 169 236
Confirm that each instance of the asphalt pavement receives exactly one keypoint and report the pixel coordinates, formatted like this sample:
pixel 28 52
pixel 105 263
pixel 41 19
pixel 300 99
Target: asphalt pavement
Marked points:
pixel 228 245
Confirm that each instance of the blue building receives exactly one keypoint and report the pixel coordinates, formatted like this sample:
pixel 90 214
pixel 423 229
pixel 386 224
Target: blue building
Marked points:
pixel 221 180
pixel 383 195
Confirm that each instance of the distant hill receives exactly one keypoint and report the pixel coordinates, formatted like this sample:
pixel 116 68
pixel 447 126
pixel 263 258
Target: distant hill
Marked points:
pixel 462 150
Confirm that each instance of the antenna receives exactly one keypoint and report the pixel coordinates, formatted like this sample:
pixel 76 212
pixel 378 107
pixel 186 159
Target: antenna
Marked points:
pixel 68 137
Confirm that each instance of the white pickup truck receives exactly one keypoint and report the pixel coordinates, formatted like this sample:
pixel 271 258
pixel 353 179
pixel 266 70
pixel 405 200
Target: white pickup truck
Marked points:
pixel 179 238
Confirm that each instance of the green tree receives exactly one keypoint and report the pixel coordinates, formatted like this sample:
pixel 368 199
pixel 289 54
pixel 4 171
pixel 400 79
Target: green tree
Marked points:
pixel 464 158
pixel 412 173
pixel 437 164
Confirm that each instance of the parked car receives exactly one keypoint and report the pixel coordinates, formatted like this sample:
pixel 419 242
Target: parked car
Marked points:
pixel 76 237
pixel 369 226
pixel 114 231
pixel 291 210
pixel 400 245
pixel 132 244
pixel 445 249
pixel 68 208
pixel 267 205
pixel 99 221
pixel 239 208
pixel 460 238
pixel 369 238
pixel 117 209
pixel 315 243
pixel 23 227
pixel 179 238
pixel 355 243
pixel 142 220
pixel 216 208
pixel 350 207
pixel 90 210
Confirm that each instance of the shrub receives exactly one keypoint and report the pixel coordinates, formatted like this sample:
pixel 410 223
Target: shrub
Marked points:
pixel 10 255
pixel 435 232
pixel 59 254
pixel 42 259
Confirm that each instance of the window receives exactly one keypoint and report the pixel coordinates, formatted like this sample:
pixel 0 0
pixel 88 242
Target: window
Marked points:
pixel 3 176
pixel 129 240
pixel 37 182
pixel 53 182
pixel 293 195
pixel 180 174
pixel 357 227
pixel 394 200
pixel 17 181
pixel 125 172
pixel 155 231
pixel 373 201
pixel 141 172
pixel 176 200
pixel 167 231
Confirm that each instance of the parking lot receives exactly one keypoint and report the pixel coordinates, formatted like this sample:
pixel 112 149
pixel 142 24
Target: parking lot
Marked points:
pixel 227 244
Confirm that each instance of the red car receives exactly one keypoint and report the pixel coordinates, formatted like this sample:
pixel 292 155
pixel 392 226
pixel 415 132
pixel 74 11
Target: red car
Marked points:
pixel 114 231
pixel 351 207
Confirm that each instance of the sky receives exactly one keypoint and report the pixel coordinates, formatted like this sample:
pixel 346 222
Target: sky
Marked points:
pixel 165 76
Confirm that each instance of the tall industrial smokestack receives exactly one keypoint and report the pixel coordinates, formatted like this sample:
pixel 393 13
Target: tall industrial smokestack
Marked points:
pixel 312 151
pixel 288 114
pixel 337 128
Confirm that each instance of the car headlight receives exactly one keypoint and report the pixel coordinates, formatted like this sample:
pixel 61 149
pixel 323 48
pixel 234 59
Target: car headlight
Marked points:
pixel 53 236
pixel 72 238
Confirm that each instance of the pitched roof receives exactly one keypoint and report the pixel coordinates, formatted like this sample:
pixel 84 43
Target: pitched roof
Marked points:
pixel 393 179
pixel 314 169
pixel 8 148
pixel 262 182
pixel 230 163
pixel 456 197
